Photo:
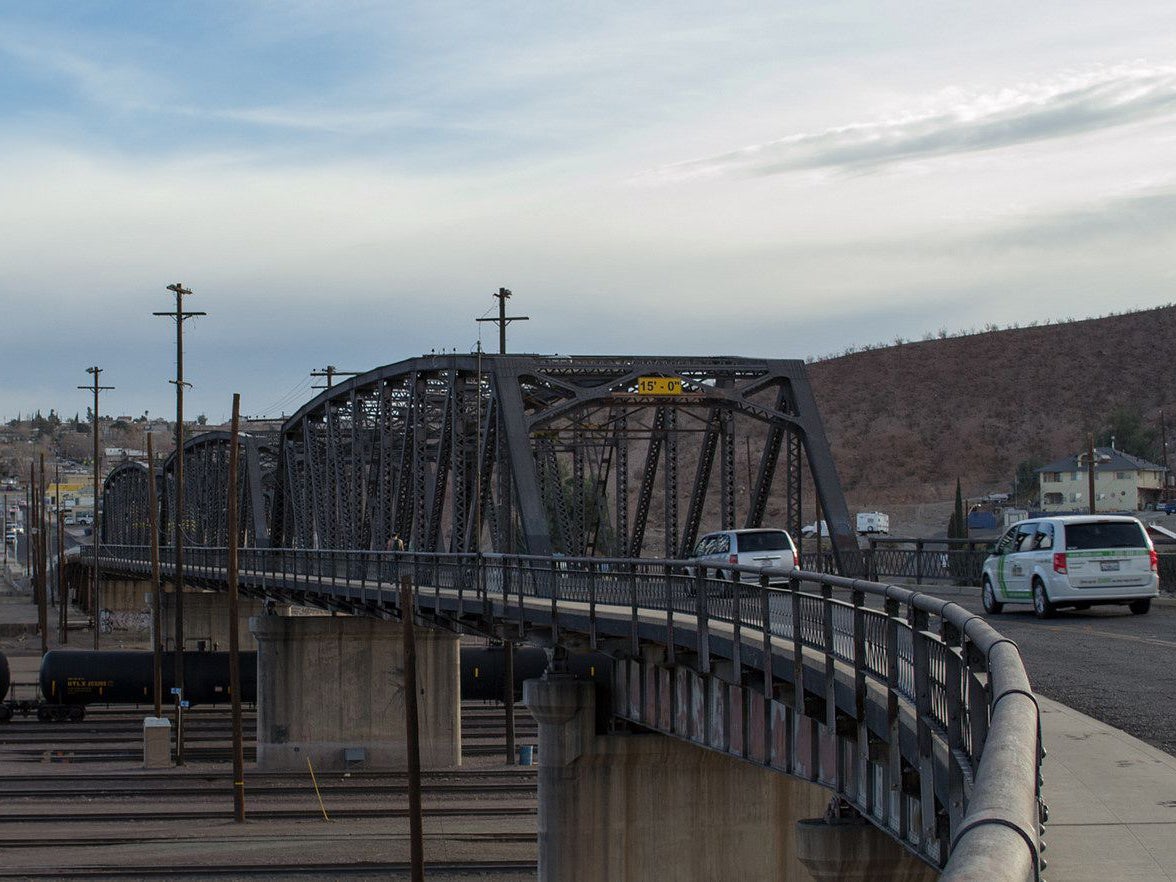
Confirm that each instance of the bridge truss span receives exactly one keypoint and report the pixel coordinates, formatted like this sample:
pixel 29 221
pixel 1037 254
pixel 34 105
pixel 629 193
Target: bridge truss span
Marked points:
pixel 125 495
pixel 579 456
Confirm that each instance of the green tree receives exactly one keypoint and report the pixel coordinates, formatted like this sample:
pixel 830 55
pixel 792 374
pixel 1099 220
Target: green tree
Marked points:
pixel 957 528
pixel 1126 428
pixel 957 524
pixel 1025 481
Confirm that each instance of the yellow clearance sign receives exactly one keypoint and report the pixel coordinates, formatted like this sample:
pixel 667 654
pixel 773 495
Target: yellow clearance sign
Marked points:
pixel 659 386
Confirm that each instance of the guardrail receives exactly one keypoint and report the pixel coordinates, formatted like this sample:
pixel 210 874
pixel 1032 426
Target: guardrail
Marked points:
pixel 930 663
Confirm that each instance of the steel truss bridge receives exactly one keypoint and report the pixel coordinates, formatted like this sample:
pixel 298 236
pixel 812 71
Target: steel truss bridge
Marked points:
pixel 533 494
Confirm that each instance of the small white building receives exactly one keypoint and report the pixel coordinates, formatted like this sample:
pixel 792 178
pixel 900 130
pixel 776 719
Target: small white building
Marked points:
pixel 1122 482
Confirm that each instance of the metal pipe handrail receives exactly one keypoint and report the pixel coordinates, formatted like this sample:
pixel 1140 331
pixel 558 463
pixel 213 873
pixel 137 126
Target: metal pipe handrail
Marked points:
pixel 963 681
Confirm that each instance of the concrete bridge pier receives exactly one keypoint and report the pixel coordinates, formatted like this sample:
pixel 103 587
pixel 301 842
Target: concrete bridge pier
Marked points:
pixel 126 615
pixel 331 689
pixel 629 807
pixel 641 805
pixel 847 849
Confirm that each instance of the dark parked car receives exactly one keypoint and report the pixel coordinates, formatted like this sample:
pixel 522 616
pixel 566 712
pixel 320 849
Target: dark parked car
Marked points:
pixel 1166 507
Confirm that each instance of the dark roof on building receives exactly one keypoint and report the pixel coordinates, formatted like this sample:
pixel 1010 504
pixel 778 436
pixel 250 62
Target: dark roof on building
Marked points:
pixel 1105 459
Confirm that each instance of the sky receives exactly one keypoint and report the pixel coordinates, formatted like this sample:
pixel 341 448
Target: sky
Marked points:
pixel 349 182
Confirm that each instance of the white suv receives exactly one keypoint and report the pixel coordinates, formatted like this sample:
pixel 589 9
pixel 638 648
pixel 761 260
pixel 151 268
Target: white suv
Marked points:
pixel 1074 561
pixel 764 547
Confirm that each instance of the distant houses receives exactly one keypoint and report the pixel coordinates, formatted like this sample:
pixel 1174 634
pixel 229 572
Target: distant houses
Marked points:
pixel 1122 482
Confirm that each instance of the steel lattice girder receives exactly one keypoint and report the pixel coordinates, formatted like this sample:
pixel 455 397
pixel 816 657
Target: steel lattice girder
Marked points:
pixel 538 448
pixel 206 479
pixel 126 513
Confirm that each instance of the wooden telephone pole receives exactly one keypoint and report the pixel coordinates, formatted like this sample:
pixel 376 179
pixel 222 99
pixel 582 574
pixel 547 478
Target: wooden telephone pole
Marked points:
pixel 180 317
pixel 95 595
pixel 507 644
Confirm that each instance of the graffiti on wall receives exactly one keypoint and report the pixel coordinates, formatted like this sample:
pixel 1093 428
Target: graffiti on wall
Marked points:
pixel 125 620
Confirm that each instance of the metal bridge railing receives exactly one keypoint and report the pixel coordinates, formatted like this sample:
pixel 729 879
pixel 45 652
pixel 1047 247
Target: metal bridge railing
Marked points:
pixel 960 561
pixel 932 664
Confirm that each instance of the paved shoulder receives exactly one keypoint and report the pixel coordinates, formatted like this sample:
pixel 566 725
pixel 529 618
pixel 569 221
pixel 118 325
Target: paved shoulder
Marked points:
pixel 1112 801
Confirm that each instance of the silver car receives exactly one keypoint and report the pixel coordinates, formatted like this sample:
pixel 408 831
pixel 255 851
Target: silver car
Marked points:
pixel 766 548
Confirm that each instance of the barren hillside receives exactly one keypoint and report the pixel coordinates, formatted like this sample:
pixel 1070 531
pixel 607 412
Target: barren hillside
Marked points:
pixel 906 420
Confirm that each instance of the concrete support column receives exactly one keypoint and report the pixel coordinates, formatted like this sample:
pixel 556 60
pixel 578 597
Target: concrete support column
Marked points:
pixel 565 710
pixel 331 688
pixel 633 807
pixel 852 848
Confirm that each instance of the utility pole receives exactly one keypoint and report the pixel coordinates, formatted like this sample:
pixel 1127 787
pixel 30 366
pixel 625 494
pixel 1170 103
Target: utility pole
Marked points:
pixel 503 319
pixel 1164 451
pixel 234 638
pixel 507 644
pixel 30 530
pixel 180 316
pixel 96 608
pixel 1090 473
pixel 28 524
pixel 330 372
pixel 62 591
pixel 156 591
pixel 43 556
pixel 412 731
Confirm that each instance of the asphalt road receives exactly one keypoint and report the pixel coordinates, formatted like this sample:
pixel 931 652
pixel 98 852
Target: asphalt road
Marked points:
pixel 1105 662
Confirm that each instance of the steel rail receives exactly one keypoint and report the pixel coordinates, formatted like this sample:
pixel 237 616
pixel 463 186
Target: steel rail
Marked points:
pixel 962 727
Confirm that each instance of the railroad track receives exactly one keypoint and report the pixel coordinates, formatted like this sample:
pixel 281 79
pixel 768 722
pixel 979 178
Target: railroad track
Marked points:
pixel 371 870
pixel 185 773
pixel 162 814
pixel 132 790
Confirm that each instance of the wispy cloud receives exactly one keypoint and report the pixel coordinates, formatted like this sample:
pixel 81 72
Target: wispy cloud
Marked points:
pixel 1071 105
pixel 102 73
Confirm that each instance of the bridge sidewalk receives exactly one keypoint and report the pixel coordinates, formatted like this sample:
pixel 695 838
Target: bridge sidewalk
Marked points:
pixel 1112 801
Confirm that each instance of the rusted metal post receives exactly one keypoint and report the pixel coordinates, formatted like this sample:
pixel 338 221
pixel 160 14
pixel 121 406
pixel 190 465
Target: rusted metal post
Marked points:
pixel 234 611
pixel 156 591
pixel 412 731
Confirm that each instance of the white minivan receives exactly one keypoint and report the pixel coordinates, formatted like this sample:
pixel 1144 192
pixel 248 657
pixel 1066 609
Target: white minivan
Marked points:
pixel 1077 561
